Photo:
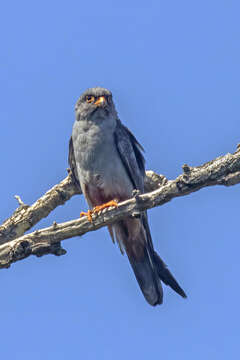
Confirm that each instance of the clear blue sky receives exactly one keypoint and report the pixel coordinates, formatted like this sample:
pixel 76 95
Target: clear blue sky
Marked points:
pixel 173 68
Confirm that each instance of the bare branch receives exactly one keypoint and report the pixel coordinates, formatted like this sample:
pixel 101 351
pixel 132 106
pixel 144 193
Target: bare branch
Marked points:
pixel 26 216
pixel 224 170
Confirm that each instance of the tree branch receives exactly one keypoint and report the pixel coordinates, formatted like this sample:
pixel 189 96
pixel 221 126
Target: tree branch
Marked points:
pixel 224 170
pixel 25 216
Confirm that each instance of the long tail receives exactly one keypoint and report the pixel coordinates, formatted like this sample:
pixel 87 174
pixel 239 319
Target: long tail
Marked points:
pixel 148 267
pixel 149 272
pixel 147 277
pixel 166 276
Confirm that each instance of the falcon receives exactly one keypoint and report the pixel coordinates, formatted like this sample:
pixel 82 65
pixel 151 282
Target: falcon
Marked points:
pixel 107 163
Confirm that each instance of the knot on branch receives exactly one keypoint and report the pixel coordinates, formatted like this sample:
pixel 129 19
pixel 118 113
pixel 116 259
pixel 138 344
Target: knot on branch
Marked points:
pixel 54 225
pixel 153 181
pixel 186 169
pixel 43 248
pixel 136 194
pixel 22 249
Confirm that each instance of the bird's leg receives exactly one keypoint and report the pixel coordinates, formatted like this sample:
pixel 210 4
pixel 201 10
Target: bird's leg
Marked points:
pixel 88 214
pixel 98 208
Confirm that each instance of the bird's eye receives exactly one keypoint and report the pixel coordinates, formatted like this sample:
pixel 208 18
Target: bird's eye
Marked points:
pixel 90 98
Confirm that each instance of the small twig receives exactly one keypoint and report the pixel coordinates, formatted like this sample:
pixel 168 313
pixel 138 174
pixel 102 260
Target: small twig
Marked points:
pixel 21 203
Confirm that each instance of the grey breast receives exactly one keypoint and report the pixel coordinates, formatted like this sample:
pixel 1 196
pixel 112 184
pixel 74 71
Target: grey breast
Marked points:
pixel 98 162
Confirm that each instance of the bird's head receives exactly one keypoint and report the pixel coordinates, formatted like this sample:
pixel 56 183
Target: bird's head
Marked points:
pixel 95 104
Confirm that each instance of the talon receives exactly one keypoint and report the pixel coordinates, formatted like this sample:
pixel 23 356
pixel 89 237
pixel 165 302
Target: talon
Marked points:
pixel 88 214
pixel 99 208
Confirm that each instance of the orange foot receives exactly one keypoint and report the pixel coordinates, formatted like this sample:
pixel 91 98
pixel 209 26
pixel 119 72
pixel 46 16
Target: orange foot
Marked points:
pixel 104 206
pixel 88 214
pixel 98 208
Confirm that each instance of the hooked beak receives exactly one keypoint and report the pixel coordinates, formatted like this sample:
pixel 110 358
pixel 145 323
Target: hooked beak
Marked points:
pixel 100 101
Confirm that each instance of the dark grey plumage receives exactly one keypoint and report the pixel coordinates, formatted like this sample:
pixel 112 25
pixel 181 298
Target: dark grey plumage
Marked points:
pixel 107 162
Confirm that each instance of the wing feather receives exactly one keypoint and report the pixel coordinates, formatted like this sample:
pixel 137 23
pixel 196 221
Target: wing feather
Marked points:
pixel 72 163
pixel 130 153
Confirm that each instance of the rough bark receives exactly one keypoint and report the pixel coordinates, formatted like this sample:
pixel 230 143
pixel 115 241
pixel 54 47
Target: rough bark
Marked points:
pixel 25 216
pixel 224 170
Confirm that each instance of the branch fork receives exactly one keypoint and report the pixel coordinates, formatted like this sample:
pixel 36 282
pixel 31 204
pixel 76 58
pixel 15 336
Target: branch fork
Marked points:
pixel 15 246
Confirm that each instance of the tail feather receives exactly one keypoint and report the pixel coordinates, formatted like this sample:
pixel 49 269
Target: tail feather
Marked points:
pixel 147 278
pixel 149 272
pixel 166 276
pixel 148 267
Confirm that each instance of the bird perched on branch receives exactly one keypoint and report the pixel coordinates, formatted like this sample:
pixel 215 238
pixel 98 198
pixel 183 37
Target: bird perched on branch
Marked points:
pixel 107 162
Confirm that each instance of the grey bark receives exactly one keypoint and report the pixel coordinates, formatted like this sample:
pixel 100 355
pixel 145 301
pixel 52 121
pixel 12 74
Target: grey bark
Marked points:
pixel 224 170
